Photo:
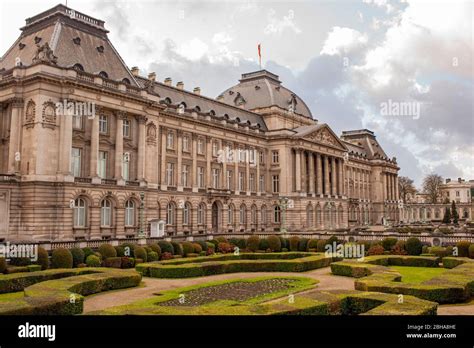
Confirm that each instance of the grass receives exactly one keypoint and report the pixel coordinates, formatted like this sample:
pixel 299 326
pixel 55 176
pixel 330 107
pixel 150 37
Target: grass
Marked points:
pixel 417 275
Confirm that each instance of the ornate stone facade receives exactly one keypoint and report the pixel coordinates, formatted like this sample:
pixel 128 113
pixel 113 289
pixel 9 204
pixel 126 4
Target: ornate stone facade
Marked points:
pixel 150 151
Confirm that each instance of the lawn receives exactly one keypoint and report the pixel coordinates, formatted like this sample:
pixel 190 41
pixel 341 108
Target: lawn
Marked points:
pixel 417 274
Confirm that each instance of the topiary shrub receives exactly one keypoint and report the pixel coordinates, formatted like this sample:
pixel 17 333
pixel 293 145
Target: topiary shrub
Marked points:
pixel 128 249
pixel 87 251
pixel 424 249
pixel 333 239
pixel 263 245
pixel 303 244
pixel 43 258
pixel 463 248
pixel 188 248
pixel 283 242
pixel 166 256
pixel 20 261
pixel 225 248
pixel 120 250
pixel 178 249
pixel 203 244
pixel 140 253
pixel 274 243
pixel 147 249
pixel 222 240
pixel 93 261
pixel 253 243
pixel 376 250
pixel 166 247
pixel 294 242
pixel 3 265
pixel 152 256
pixel 197 248
pixel 471 251
pixel 77 256
pixel 156 248
pixel 321 245
pixel 215 243
pixel 312 245
pixel 107 250
pixel 127 262
pixel 413 246
pixel 388 243
pixel 113 262
pixel 238 242
pixel 399 248
pixel 61 258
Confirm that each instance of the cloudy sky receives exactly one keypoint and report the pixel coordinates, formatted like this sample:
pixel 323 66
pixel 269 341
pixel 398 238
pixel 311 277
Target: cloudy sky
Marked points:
pixel 348 60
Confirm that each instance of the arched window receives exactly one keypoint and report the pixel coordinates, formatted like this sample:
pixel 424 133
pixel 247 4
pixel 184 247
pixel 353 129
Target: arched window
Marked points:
pixel 201 214
pixel 230 214
pixel 309 215
pixel 263 215
pixel 105 213
pixel 253 215
pixel 126 81
pixel 129 213
pixel 170 214
pixel 181 108
pixel 277 214
pixel 79 213
pixel 104 75
pixel 78 67
pixel 242 214
pixel 186 214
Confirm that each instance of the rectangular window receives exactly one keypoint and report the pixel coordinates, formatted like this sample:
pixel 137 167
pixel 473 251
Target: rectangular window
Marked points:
pixel 241 155
pixel 241 181
pixel 185 144
pixel 261 183
pixel 229 180
pixel 275 156
pixel 126 128
pixel 252 182
pixel 200 176
pixel 262 157
pixel 76 161
pixel 252 155
pixel 170 174
pixel 276 183
pixel 170 141
pixel 215 178
pixel 200 146
pixel 102 170
pixel 215 148
pixel 103 124
pixel 184 175
pixel 126 166
pixel 77 121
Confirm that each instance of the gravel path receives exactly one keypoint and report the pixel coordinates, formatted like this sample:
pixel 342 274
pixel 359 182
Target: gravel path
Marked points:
pixel 155 285
pixel 456 310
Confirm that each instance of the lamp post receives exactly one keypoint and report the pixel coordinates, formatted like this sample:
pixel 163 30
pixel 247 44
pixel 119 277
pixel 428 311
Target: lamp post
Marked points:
pixel 141 232
pixel 283 204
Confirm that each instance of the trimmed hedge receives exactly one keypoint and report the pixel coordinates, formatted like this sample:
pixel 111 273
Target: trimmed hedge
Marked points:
pixel 113 262
pixel 463 248
pixel 166 247
pixel 93 261
pixel 43 258
pixel 274 243
pixel 203 266
pixel 293 243
pixel 188 248
pixel 87 251
pixel 152 256
pixel 77 256
pixel 413 246
pixel 253 243
pixel 45 293
pixel 156 248
pixel 140 253
pixel 107 250
pixel 61 258
pixel 3 264
pixel 303 244
pixel 178 249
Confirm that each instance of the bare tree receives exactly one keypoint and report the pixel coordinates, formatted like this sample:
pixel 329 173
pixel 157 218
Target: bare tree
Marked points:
pixel 431 186
pixel 405 187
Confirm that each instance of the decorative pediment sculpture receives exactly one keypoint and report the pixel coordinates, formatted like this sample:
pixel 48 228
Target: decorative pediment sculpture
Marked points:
pixel 239 100
pixel 44 54
pixel 292 103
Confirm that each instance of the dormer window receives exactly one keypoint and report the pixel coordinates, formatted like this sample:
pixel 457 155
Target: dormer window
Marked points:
pixel 126 81
pixel 104 75
pixel 77 40
pixel 21 45
pixel 37 40
pixel 78 67
pixel 181 108
pixel 100 49
pixel 197 109
pixel 212 113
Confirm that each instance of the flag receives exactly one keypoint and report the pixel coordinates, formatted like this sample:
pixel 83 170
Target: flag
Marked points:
pixel 260 55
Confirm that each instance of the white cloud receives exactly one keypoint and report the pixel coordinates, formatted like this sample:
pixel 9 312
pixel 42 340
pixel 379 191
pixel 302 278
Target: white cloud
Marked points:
pixel 194 49
pixel 342 40
pixel 277 26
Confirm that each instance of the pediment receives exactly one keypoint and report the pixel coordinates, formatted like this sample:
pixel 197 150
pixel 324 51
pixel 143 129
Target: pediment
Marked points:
pixel 325 135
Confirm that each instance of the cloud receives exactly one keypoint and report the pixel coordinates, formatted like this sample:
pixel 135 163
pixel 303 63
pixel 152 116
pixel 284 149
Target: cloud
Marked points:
pixel 343 40
pixel 277 26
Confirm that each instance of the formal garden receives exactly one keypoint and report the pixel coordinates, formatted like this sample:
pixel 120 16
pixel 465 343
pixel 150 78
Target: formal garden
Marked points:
pixel 272 275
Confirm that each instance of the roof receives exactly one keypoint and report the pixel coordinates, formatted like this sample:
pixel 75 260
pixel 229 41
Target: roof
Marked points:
pixel 73 38
pixel 263 89
pixel 363 142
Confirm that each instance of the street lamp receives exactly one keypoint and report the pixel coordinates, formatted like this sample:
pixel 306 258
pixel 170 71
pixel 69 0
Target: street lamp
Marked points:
pixel 141 232
pixel 283 204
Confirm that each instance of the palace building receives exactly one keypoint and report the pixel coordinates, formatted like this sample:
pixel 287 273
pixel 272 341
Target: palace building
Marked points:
pixel 93 150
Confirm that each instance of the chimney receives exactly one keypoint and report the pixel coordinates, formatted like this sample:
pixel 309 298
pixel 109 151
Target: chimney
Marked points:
pixel 152 76
pixel 180 85
pixel 197 90
pixel 135 71
pixel 459 179
pixel 168 81
pixel 448 181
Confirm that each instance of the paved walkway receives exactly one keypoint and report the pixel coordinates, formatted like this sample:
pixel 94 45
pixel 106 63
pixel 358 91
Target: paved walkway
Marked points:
pixel 456 310
pixel 155 285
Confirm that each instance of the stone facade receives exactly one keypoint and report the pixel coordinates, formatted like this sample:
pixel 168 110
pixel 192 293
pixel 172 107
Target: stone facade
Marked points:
pixel 92 150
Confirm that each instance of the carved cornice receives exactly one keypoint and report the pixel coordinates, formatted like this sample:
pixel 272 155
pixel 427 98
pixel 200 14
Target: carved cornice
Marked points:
pixel 17 102
pixel 141 119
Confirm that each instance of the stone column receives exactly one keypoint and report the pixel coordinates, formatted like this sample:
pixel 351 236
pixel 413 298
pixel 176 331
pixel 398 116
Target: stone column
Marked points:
pixel 397 194
pixel 14 155
pixel 94 156
pixel 247 170
pixel 65 145
pixel 194 169
pixel 120 115
pixel 297 170
pixel 236 159
pixel 224 167
pixel 163 157
pixel 333 176
pixel 304 174
pixel 208 161
pixel 257 179
pixel 340 180
pixel 179 184
pixel 327 189
pixel 384 185
pixel 319 175
pixel 141 148
pixel 311 172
